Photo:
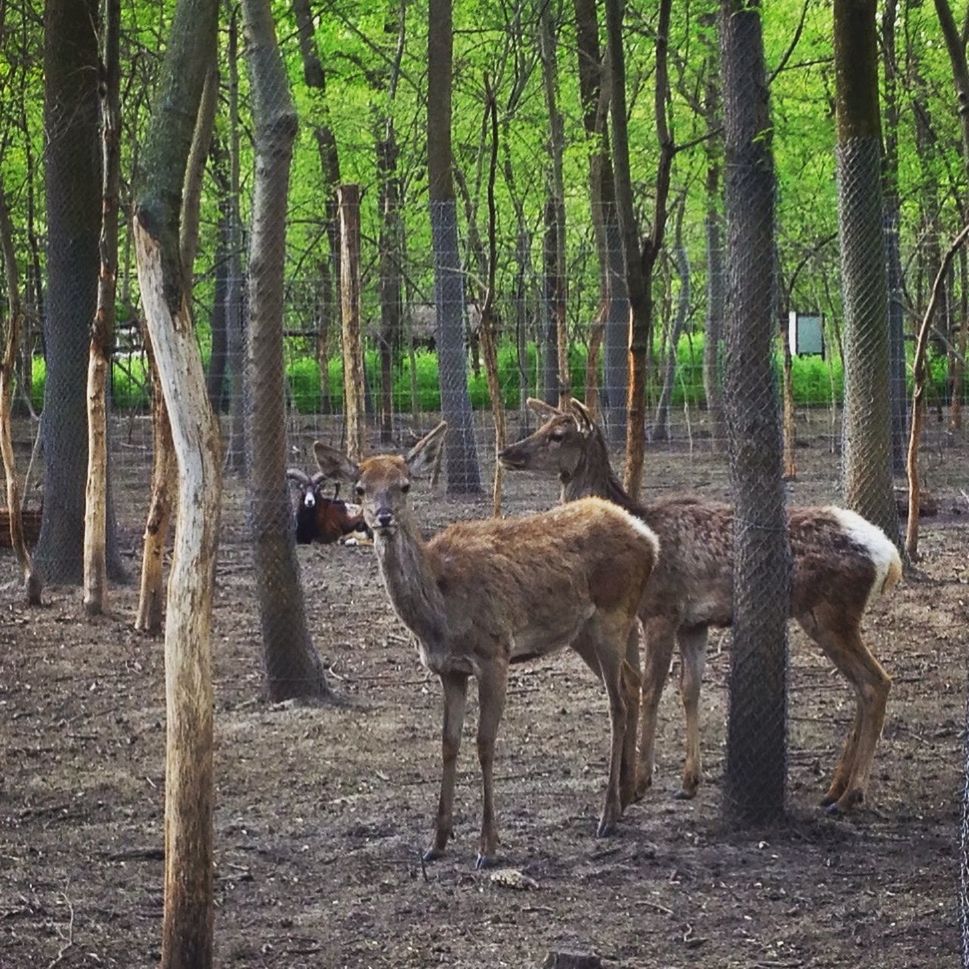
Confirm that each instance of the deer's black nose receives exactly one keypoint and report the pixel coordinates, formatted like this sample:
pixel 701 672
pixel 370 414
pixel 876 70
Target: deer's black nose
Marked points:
pixel 385 519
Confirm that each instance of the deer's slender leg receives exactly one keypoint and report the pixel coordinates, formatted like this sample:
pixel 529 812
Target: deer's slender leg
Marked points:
pixel 588 646
pixel 606 638
pixel 843 645
pixel 492 684
pixel 693 656
pixel 632 684
pixel 659 633
pixel 846 762
pixel 455 700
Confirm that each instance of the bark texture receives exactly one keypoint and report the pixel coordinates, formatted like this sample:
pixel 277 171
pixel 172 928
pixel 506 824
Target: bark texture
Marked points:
pixel 756 735
pixel 639 259
pixel 463 474
pixel 102 325
pixel 33 584
pixel 293 668
pixel 73 187
pixel 188 913
pixel 353 372
pixel 867 432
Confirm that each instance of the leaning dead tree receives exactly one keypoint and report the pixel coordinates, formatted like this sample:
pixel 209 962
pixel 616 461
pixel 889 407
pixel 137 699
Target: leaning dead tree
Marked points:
pixel 164 484
pixel 102 326
pixel 188 908
pixel 33 584
pixel 918 397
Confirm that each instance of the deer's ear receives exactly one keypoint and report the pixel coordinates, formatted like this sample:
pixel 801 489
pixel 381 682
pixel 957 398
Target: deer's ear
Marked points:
pixel 545 411
pixel 425 453
pixel 335 464
pixel 582 416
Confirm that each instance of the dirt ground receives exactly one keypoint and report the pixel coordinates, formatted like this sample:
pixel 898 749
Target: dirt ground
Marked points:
pixel 322 813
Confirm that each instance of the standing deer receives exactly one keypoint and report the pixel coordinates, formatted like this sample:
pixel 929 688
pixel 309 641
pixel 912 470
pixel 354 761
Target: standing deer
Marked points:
pixel 841 562
pixel 482 595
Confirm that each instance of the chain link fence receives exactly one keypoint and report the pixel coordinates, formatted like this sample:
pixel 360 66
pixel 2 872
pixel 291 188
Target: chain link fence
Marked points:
pixel 293 394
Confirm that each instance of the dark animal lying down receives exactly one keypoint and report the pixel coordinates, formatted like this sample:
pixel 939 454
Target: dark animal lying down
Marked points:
pixel 323 519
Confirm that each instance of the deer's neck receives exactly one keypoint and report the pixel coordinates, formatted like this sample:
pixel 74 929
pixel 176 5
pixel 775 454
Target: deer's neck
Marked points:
pixel 593 476
pixel 411 582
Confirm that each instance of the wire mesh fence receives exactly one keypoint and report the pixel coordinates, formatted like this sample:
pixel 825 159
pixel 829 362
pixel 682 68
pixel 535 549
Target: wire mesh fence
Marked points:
pixel 436 372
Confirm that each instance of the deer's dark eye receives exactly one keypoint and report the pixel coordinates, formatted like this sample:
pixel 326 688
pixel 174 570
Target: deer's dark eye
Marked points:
pixel 359 490
pixel 557 436
pixel 405 487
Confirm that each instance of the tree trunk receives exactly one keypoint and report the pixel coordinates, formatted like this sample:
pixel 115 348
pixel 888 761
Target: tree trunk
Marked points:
pixel 956 45
pixel 234 312
pixel 187 922
pixel 555 272
pixel 102 326
pixel 33 584
pixel 348 197
pixel 293 668
pixel 164 486
pixel 315 79
pixel 896 309
pixel 918 397
pixel 215 378
pixel 391 306
pixel 959 374
pixel 756 735
pixel 614 304
pixel 790 411
pixel 194 172
pixel 661 423
pixel 73 186
pixel 639 261
pixel 867 435
pixel 713 231
pixel 151 604
pixel 463 475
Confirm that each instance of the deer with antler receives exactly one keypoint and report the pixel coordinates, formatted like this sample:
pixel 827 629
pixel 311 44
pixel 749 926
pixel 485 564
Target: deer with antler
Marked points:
pixel 483 595
pixel 841 562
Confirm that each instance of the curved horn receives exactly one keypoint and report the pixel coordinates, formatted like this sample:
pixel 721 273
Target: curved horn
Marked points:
pixel 583 418
pixel 317 479
pixel 295 474
pixel 542 409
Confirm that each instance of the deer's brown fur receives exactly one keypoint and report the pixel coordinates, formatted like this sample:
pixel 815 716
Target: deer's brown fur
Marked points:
pixel 482 595
pixel 840 562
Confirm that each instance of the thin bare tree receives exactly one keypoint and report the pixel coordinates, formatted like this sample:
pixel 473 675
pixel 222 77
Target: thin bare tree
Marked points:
pixel 102 326
pixel 640 257
pixel 33 583
pixel 188 909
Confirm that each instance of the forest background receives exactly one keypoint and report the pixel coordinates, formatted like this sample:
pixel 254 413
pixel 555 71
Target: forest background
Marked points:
pixel 358 76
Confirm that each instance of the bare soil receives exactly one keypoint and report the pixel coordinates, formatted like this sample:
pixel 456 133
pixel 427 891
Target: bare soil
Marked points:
pixel 322 812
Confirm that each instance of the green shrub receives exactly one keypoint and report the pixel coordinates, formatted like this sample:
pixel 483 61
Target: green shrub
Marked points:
pixel 303 379
pixel 38 380
pixel 130 384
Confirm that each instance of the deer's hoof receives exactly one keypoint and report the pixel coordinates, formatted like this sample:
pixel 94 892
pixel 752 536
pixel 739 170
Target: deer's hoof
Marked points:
pixel 607 828
pixel 642 786
pixel 433 853
pixel 686 793
pixel 844 804
pixel 486 861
